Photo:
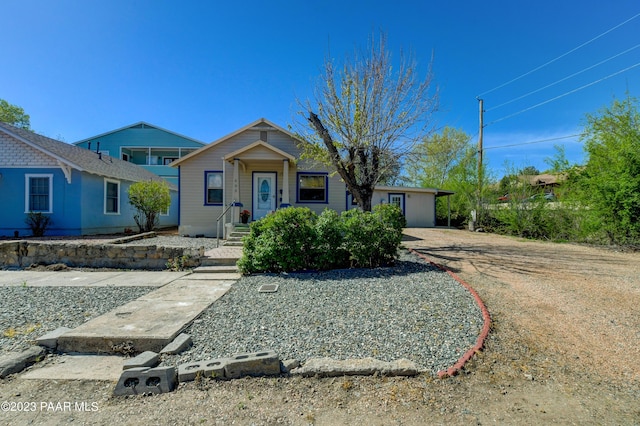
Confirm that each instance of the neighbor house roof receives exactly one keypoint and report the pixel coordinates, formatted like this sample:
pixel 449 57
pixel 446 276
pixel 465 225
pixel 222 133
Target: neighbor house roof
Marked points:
pixel 260 124
pixel 544 179
pixel 72 157
pixel 139 123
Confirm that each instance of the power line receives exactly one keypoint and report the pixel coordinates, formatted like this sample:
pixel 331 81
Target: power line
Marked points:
pixel 564 94
pixel 559 57
pixel 533 142
pixel 563 79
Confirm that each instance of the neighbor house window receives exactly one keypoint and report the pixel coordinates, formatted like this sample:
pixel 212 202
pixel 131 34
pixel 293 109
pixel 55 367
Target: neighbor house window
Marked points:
pixel 213 183
pixel 111 197
pixel 38 193
pixel 312 187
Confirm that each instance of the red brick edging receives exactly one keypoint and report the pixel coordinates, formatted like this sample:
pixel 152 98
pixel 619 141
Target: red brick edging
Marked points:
pixel 452 371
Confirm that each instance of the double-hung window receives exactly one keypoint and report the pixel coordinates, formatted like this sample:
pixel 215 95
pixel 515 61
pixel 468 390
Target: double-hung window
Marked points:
pixel 312 187
pixel 213 185
pixel 111 196
pixel 39 193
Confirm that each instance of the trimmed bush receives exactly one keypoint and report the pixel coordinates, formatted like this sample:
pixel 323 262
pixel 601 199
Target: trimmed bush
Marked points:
pixel 295 239
pixel 282 241
pixel 372 238
pixel 330 235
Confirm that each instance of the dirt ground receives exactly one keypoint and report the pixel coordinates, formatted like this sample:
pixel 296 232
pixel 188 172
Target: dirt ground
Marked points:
pixel 564 348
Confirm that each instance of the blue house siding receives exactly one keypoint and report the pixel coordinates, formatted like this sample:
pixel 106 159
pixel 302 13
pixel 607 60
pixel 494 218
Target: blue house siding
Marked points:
pixel 68 185
pixel 65 211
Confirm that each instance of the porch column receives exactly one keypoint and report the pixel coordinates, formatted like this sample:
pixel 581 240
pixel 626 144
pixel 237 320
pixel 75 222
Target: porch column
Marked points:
pixel 236 191
pixel 285 184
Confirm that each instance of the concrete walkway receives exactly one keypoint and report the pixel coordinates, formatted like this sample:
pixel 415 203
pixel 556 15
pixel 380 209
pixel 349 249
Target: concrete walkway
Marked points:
pixel 150 322
pixel 147 323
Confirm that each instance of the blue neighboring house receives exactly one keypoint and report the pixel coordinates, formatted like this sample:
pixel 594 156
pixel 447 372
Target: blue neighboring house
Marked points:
pixel 146 145
pixel 83 191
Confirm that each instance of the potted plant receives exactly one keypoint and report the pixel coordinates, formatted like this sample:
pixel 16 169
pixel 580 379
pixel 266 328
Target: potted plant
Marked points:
pixel 244 216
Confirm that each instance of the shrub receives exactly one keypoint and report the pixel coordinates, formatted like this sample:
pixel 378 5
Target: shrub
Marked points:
pixel 369 240
pixel 150 198
pixel 281 241
pixel 38 223
pixel 294 239
pixel 330 235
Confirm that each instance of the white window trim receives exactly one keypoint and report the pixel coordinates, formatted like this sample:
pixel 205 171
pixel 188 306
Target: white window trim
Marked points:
pixel 117 182
pixel 27 188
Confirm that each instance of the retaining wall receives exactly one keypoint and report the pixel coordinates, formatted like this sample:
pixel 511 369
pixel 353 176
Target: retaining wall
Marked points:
pixel 23 253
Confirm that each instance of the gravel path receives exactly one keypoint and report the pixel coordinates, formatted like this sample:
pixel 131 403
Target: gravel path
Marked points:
pixel 409 311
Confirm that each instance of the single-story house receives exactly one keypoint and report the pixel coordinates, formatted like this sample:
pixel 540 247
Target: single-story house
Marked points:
pixel 83 192
pixel 258 168
pixel 146 145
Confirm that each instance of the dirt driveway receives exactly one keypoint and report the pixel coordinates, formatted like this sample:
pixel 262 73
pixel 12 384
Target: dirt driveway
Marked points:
pixel 564 348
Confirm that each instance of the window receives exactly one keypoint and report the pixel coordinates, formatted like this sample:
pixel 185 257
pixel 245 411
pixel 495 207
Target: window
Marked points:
pixel 312 187
pixel 38 193
pixel 111 197
pixel 213 184
pixel 168 160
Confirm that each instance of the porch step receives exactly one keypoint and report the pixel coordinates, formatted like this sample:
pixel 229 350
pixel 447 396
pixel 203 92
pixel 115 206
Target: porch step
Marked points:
pixel 218 261
pixel 233 243
pixel 216 269
pixel 234 238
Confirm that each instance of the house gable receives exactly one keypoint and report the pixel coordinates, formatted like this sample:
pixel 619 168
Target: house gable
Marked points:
pixel 278 137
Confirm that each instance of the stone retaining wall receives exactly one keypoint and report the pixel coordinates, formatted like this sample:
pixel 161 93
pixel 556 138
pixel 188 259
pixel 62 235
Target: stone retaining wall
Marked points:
pixel 22 253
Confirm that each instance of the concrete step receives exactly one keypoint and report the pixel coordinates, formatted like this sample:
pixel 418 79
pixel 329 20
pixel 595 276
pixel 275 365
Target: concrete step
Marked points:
pixel 232 243
pixel 216 269
pixel 238 234
pixel 218 261
pixel 148 323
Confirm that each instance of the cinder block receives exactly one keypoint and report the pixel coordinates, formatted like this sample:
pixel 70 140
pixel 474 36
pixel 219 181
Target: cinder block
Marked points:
pixel 142 380
pixel 287 365
pixel 145 359
pixel 265 363
pixel 210 368
pixel 180 343
pixel 50 340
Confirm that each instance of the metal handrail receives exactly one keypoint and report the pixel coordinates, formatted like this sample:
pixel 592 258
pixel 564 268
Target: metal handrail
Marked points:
pixel 232 204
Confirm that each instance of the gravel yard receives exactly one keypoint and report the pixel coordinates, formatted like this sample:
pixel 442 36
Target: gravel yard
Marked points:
pixel 30 312
pixel 411 310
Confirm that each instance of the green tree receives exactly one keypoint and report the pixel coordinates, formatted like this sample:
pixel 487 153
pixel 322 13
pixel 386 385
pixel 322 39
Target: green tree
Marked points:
pixel 150 198
pixel 14 115
pixel 447 160
pixel 559 162
pixel 432 160
pixel 611 177
pixel 366 116
pixel 530 171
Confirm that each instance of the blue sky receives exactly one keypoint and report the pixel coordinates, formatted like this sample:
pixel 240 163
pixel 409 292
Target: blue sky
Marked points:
pixel 205 68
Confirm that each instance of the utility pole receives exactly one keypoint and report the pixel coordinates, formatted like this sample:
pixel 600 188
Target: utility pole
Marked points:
pixel 480 172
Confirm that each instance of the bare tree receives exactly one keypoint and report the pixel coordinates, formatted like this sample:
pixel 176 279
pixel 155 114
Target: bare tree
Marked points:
pixel 367 115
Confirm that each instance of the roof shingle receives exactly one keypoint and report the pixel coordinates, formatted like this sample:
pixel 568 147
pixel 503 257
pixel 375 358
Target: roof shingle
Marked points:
pixel 80 158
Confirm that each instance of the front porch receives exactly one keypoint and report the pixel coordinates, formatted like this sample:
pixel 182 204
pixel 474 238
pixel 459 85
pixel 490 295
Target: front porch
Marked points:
pixel 260 182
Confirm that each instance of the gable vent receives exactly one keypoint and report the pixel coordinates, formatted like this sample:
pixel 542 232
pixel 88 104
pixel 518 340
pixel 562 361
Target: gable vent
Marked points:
pixel 263 136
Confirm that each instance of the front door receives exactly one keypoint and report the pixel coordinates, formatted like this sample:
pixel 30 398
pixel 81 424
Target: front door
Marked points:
pixel 264 194
pixel 398 200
